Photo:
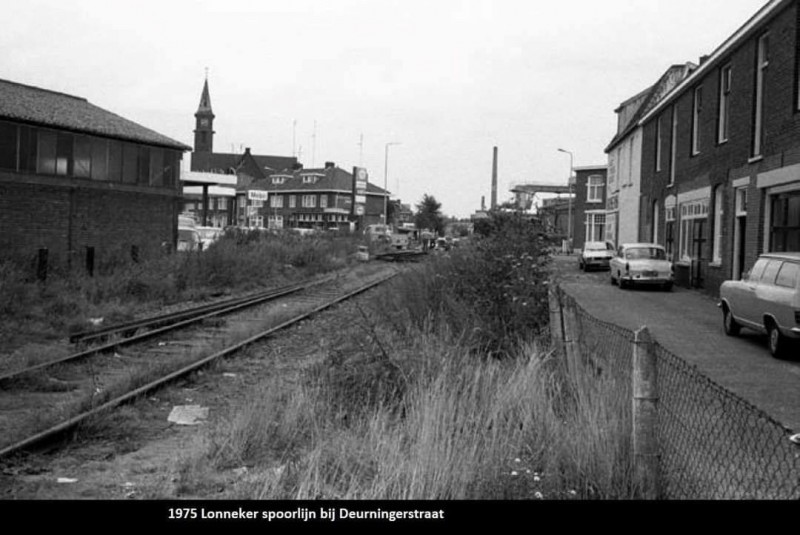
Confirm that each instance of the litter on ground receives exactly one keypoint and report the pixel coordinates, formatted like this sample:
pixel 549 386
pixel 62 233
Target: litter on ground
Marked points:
pixel 188 414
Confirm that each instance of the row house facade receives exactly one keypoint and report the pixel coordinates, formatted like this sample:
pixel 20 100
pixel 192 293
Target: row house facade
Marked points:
pixel 721 154
pixel 307 199
pixel 625 157
pixel 590 208
pixel 80 185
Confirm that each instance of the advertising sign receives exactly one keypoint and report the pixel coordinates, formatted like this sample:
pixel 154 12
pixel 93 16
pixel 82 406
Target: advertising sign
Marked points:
pixel 257 195
pixel 360 181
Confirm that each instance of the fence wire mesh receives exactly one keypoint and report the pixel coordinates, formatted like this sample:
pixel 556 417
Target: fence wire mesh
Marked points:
pixel 713 444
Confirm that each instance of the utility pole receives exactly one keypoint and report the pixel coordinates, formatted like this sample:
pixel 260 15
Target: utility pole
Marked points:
pixel 361 151
pixel 569 206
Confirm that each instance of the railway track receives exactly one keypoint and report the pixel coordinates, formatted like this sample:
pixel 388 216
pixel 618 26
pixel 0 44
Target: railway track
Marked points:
pixel 57 396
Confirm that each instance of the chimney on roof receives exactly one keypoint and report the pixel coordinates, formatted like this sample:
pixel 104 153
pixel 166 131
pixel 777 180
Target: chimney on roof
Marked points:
pixel 329 165
pixel 494 180
pixel 297 166
pixel 247 150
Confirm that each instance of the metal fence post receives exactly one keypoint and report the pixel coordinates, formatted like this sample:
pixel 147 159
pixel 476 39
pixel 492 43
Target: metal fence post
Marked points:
pixel 556 318
pixel 645 416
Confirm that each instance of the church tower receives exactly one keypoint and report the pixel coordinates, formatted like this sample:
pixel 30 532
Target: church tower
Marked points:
pixel 204 125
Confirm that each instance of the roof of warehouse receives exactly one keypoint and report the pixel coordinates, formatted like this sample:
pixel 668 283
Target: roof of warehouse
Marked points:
pixel 43 107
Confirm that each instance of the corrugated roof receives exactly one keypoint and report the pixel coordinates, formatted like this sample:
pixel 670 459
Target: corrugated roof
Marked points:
pixel 43 107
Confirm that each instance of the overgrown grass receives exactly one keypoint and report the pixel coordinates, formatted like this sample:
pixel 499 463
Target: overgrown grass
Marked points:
pixel 120 289
pixel 441 389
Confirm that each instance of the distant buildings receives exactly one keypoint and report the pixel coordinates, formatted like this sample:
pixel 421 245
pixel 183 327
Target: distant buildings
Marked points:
pixel 80 185
pixel 275 191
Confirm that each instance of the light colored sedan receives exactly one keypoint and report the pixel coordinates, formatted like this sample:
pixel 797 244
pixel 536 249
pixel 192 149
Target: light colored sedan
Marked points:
pixel 767 300
pixel 595 255
pixel 641 264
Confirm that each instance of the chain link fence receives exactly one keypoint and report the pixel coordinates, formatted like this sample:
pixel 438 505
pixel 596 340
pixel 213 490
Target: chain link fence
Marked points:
pixel 711 443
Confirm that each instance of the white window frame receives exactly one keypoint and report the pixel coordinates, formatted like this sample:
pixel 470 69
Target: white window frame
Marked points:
pixel 323 201
pixel 725 82
pixel 697 110
pixel 691 211
pixel 762 61
pixel 275 221
pixel 309 201
pixel 256 203
pixel 278 180
pixel 595 225
pixel 656 212
pixel 292 201
pixel 717 245
pixel 276 201
pixel 594 192
pixel 309 179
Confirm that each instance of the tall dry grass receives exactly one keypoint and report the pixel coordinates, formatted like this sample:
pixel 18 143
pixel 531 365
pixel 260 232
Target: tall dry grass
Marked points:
pixel 120 288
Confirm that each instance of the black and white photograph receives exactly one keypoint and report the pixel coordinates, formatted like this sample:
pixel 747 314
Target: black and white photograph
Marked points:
pixel 397 263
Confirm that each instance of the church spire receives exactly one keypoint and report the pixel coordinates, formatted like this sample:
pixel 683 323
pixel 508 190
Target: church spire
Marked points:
pixel 205 99
pixel 204 127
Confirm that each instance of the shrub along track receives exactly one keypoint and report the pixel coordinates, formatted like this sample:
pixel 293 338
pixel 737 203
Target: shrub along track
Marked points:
pixel 34 408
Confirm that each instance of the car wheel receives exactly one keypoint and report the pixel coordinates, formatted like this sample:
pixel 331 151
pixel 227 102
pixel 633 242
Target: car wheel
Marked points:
pixel 732 328
pixel 622 284
pixel 775 340
pixel 611 278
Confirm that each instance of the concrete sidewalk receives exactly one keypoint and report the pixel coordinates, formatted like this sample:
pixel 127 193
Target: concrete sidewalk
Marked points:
pixel 689 324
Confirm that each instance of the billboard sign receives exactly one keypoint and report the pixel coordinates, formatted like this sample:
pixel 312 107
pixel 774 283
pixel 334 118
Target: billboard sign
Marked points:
pixel 360 181
pixel 257 195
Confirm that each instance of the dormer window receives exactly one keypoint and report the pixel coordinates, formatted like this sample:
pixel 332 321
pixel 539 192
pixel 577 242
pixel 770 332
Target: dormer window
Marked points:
pixel 309 179
pixel 277 180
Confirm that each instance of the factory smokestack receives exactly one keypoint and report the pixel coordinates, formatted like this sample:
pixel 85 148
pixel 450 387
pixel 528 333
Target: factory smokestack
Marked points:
pixel 494 180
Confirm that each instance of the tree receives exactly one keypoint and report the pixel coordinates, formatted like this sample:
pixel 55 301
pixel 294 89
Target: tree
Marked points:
pixel 429 214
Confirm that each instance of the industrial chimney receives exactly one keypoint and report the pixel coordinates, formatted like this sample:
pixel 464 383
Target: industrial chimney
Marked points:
pixel 494 180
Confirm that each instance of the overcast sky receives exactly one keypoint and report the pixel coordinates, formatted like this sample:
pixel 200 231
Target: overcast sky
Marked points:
pixel 447 79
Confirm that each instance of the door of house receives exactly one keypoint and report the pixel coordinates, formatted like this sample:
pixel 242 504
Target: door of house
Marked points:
pixel 698 245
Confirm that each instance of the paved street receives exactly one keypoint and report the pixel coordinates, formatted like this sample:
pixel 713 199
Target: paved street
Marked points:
pixel 689 324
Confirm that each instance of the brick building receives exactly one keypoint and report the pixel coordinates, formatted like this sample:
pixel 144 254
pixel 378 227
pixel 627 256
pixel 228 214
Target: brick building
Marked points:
pixel 246 166
pixel 310 198
pixel 589 208
pixel 721 154
pixel 625 158
pixel 81 184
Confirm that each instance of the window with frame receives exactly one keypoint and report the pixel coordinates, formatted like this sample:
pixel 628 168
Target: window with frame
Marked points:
pixel 595 227
pixel 309 179
pixel 276 201
pixel 323 201
pixel 594 189
pixel 658 144
pixel 258 203
pixel 717 246
pixel 673 141
pixel 762 61
pixel 785 225
pixel 669 230
pixel 8 146
pixel 693 219
pixel 292 201
pixel 697 110
pixel 277 180
pixel 724 104
pixel 309 201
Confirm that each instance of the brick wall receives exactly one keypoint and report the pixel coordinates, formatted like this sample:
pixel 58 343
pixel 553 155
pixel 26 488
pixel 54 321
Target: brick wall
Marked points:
pixel 720 163
pixel 67 219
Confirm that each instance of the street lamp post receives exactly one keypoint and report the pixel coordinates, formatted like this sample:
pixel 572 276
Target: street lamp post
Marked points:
pixel 386 182
pixel 569 206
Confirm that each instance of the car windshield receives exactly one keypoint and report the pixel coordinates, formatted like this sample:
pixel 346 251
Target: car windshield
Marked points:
pixel 645 253
pixel 596 247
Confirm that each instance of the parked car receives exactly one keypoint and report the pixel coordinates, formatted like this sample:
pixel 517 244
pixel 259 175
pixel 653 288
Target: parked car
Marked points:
pixel 596 255
pixel 641 264
pixel 767 300
pixel 208 235
pixel 188 237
